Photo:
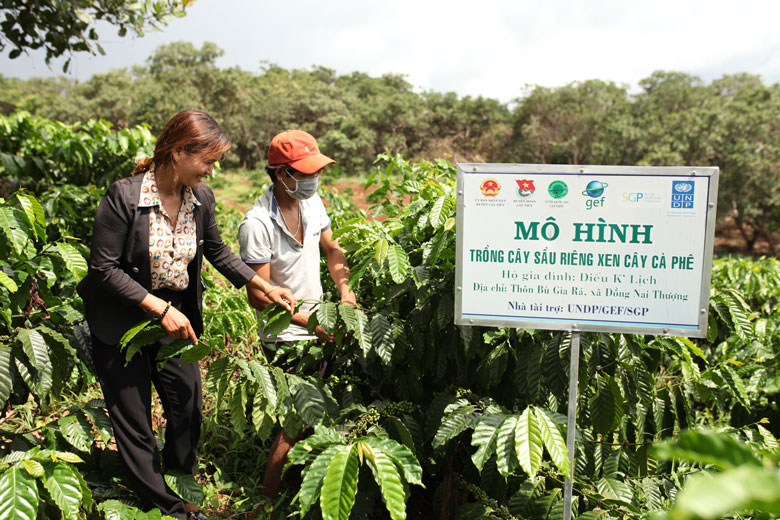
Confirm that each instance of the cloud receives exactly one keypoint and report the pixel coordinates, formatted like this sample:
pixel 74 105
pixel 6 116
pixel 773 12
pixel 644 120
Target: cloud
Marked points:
pixel 491 48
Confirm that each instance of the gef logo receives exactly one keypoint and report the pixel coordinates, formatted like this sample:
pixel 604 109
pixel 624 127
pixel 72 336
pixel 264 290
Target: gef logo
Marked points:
pixel 593 193
pixel 682 194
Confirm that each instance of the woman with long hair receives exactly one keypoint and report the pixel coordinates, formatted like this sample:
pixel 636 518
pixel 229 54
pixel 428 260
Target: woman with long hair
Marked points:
pixel 150 234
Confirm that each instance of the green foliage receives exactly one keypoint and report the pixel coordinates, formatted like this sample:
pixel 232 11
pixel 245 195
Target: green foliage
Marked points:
pixel 507 388
pixel 403 394
pixel 185 485
pixel 749 480
pixel 36 153
pixel 70 470
pixel 332 469
pixel 39 304
pixel 732 122
pixel 35 479
pixel 117 510
pixel 64 28
pixel 354 116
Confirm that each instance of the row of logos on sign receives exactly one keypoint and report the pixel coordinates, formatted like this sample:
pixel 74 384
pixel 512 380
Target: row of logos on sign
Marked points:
pixel 681 192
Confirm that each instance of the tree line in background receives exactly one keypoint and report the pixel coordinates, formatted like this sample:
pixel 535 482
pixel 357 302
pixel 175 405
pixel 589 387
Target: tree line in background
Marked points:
pixel 675 119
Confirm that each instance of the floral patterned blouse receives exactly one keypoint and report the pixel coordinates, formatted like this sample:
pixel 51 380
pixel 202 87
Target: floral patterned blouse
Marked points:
pixel 171 246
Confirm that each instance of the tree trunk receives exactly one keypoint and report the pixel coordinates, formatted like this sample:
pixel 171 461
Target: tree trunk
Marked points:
pixel 742 226
pixel 761 230
pixel 445 512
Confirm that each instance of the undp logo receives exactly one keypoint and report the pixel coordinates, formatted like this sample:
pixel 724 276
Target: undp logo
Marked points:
pixel 682 194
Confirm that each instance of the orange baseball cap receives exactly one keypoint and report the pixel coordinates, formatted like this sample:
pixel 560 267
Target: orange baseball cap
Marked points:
pixel 299 150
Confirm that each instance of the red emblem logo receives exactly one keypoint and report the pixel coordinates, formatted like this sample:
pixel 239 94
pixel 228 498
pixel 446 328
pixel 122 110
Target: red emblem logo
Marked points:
pixel 490 187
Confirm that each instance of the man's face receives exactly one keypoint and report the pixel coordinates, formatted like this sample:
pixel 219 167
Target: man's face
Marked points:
pixel 289 176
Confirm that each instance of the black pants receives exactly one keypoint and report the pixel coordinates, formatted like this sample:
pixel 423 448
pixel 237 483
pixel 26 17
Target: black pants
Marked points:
pixel 128 394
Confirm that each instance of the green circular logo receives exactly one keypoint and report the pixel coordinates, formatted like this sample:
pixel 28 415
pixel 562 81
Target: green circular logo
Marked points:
pixel 557 189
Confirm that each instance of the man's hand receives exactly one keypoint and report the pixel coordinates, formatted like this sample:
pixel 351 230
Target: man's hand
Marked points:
pixel 348 298
pixel 323 335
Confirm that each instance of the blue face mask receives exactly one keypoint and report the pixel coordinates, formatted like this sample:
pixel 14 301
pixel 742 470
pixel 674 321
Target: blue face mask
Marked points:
pixel 304 188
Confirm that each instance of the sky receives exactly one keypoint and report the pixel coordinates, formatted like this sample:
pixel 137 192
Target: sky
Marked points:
pixel 491 48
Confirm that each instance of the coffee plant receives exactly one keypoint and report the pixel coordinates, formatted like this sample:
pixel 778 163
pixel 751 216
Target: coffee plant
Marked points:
pixel 405 414
pixel 483 408
pixel 729 471
pixel 481 411
pixel 39 303
pixel 37 473
pixel 36 153
pixel 55 473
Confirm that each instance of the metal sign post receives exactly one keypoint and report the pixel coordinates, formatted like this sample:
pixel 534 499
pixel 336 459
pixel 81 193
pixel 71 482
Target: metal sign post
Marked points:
pixel 574 371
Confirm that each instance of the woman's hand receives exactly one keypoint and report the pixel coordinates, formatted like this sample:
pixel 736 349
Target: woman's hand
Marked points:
pixel 178 326
pixel 283 296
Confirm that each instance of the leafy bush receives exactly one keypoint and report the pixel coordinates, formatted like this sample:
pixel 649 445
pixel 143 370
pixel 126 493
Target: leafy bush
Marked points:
pixel 36 153
pixel 482 409
pixel 39 303
pixel 65 470
pixel 333 466
pixel 475 415
pixel 741 473
pixel 39 479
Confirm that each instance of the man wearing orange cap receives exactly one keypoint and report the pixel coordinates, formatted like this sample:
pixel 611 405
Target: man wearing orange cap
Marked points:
pixel 280 239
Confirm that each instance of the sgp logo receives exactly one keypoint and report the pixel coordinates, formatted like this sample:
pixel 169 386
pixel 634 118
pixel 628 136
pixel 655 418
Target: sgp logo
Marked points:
pixel 636 196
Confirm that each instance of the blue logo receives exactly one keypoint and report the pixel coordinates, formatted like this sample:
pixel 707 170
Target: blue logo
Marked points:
pixel 682 194
pixel 594 189
pixel 594 194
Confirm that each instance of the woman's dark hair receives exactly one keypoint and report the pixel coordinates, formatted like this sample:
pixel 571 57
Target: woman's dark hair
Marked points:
pixel 191 131
pixel 271 171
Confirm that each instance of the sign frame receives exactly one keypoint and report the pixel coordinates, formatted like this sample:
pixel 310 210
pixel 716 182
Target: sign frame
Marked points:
pixel 711 173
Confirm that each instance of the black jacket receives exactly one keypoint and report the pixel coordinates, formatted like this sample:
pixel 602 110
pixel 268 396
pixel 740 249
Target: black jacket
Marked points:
pixel 119 275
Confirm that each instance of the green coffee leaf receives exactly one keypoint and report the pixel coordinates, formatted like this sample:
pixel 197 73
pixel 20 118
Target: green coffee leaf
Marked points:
pixel 309 402
pixel 387 476
pixel 313 476
pixel 382 337
pixel 8 282
pixel 553 440
pixel 528 442
pixel 398 263
pixel 18 495
pixel 484 438
pixel 34 346
pixel 16 229
pixel 339 485
pixel 327 316
pixel 74 262
pixel 185 485
pixel 5 373
pixel 65 489
pixel 77 431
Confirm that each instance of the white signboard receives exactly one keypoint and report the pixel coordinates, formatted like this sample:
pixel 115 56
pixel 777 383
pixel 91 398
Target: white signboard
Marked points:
pixel 590 248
